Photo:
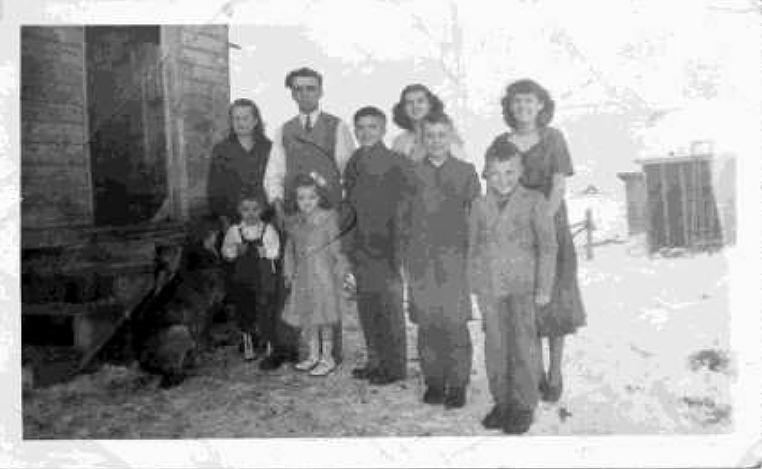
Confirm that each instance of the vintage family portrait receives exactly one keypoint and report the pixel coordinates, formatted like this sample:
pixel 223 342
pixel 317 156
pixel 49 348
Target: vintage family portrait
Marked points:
pixel 385 224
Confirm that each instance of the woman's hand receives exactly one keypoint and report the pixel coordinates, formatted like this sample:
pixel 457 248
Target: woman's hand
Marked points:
pixel 350 283
pixel 542 299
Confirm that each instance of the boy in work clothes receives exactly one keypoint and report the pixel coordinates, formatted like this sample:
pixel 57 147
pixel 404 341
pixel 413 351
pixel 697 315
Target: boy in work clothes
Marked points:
pixel 435 258
pixel 377 180
pixel 512 256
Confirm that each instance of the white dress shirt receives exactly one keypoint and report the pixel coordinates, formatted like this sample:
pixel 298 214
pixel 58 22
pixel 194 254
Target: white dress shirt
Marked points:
pixel 276 165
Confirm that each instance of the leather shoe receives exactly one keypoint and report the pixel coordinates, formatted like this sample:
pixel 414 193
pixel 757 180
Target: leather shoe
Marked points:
pixel 494 419
pixel 518 422
pixel 455 398
pixel 363 373
pixel 381 378
pixel 271 362
pixel 433 395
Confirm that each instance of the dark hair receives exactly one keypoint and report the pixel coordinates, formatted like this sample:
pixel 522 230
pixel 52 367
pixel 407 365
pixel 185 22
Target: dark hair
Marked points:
pixel 371 111
pixel 527 86
pixel 305 180
pixel 265 210
pixel 399 115
pixel 303 72
pixel 507 152
pixel 437 118
pixel 259 127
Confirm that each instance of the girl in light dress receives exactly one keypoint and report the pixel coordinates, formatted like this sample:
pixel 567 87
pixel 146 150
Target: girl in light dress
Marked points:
pixel 314 269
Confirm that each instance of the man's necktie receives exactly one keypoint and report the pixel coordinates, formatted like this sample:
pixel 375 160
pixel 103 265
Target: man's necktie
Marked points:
pixel 308 124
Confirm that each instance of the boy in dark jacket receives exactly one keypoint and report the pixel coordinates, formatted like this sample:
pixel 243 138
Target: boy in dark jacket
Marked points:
pixel 377 181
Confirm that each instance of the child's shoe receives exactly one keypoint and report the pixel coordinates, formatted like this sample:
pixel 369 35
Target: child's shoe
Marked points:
pixel 306 365
pixel 433 395
pixel 495 418
pixel 324 367
pixel 518 422
pixel 455 398
pixel 248 347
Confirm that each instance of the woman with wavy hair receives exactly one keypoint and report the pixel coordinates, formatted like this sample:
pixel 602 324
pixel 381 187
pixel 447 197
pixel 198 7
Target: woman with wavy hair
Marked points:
pixel 416 102
pixel 528 110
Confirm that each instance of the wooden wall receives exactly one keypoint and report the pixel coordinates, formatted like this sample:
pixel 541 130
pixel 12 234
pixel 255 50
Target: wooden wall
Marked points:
pixel 55 174
pixel 635 190
pixel 682 208
pixel 198 81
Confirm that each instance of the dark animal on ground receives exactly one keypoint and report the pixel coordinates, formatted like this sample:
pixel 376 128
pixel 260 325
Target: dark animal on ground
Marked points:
pixel 172 326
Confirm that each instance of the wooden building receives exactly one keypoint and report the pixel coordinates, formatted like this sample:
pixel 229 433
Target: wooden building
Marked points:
pixel 118 123
pixel 635 193
pixel 681 205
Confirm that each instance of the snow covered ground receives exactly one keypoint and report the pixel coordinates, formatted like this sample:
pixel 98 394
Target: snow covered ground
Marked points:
pixel 652 360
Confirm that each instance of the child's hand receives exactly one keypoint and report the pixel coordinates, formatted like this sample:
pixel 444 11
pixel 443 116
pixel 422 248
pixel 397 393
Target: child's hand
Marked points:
pixel 542 299
pixel 350 284
pixel 261 251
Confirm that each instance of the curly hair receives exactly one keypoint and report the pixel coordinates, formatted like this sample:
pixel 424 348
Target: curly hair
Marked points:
pixel 259 127
pixel 399 114
pixel 527 86
pixel 306 180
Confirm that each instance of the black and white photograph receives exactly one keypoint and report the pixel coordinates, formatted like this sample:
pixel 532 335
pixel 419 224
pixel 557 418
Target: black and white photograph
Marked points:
pixel 381 233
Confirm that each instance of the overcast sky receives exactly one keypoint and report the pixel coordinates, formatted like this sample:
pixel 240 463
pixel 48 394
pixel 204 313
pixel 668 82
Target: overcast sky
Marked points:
pixel 632 78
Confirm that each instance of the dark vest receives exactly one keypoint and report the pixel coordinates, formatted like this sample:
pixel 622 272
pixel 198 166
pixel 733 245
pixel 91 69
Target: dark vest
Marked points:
pixel 311 151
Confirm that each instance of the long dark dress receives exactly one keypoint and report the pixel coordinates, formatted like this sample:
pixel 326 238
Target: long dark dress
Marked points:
pixel 550 155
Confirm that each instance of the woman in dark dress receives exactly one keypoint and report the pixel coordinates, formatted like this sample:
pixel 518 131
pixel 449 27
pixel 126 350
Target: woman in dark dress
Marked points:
pixel 238 162
pixel 238 166
pixel 528 109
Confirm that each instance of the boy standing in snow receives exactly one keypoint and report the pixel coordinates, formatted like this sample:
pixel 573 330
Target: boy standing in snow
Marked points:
pixel 512 252
pixel 435 262
pixel 376 181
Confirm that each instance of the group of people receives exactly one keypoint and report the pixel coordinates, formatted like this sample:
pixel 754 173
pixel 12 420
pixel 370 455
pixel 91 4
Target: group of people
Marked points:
pixel 310 219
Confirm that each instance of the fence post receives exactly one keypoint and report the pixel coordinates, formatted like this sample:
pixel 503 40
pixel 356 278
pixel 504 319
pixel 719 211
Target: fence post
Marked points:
pixel 589 233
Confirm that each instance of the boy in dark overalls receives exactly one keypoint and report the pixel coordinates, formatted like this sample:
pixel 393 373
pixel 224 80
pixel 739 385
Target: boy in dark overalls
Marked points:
pixel 253 246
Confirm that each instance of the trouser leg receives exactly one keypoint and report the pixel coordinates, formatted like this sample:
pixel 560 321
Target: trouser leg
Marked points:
pixel 368 311
pixel 431 350
pixel 496 358
pixel 522 350
pixel 391 336
pixel 458 355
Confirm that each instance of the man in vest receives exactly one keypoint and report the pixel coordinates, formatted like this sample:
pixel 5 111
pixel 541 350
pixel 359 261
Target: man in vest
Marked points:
pixel 312 142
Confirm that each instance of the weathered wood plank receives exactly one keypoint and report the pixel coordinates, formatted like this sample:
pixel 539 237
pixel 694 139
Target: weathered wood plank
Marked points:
pixel 59 93
pixel 53 69
pixel 44 111
pixel 53 132
pixel 63 34
pixel 42 50
pixel 197 38
pixel 219 31
pixel 202 57
pixel 52 154
pixel 54 195
pixel 203 73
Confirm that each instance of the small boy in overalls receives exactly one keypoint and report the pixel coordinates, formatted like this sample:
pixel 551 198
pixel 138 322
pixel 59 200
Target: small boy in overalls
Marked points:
pixel 253 246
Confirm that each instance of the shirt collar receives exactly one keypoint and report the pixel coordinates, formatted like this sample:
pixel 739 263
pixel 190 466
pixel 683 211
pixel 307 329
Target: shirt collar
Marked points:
pixel 428 161
pixel 313 117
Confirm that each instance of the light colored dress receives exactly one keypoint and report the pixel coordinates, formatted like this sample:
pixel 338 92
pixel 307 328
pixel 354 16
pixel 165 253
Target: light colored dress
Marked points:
pixel 316 266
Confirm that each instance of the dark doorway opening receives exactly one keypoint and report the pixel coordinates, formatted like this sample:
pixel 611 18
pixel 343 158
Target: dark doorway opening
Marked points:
pixel 125 97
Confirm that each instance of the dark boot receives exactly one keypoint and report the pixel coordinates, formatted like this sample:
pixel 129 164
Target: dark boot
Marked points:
pixel 434 395
pixel 518 422
pixel 455 398
pixel 494 419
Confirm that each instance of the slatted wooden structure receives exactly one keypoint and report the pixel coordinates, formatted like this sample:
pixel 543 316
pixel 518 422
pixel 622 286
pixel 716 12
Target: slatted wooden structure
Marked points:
pixel 118 124
pixel 681 205
pixel 635 190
